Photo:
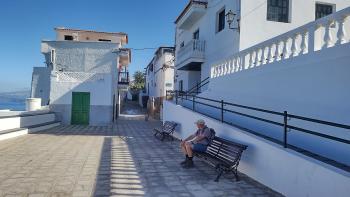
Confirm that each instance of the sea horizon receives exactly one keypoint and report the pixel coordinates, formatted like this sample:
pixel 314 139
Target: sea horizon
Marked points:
pixel 13 106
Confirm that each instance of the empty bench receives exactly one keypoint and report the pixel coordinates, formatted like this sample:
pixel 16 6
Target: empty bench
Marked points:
pixel 223 155
pixel 166 130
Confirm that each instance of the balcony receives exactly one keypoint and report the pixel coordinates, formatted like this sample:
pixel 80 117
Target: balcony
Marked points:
pixel 191 56
pixel 191 14
pixel 123 80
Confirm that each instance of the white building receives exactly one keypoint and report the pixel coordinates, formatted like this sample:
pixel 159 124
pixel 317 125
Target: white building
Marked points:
pixel 160 73
pixel 84 73
pixel 280 76
pixel 204 37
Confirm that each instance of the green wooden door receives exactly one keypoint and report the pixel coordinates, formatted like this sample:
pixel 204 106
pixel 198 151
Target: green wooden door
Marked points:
pixel 80 108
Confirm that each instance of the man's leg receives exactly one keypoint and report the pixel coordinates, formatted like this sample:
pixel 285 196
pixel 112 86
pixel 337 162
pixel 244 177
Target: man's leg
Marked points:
pixel 183 148
pixel 189 163
pixel 188 147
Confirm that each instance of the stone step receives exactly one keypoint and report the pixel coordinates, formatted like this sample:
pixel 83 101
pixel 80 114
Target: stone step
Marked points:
pixel 11 133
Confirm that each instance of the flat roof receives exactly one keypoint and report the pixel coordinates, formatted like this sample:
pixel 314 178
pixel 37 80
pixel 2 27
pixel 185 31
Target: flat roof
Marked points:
pixel 93 31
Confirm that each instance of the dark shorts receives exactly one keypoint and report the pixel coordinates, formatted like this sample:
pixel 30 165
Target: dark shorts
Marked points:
pixel 199 147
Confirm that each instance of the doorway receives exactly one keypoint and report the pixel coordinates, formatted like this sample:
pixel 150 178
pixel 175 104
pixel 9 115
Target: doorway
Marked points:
pixel 80 108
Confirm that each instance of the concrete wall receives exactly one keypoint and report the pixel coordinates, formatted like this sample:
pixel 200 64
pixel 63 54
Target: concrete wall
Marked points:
pixel 83 67
pixel 41 84
pixel 101 99
pixel 22 122
pixel 283 170
pixel 313 85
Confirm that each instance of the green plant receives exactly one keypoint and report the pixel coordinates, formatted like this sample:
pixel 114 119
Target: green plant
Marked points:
pixel 139 81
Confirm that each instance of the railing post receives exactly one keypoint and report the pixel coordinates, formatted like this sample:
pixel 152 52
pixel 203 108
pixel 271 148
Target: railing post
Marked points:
pixel 197 87
pixel 193 103
pixel 222 111
pixel 285 128
pixel 176 95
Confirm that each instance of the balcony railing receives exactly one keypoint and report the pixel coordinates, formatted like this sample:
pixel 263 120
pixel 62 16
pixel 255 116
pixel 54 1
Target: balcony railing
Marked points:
pixel 123 78
pixel 327 32
pixel 194 50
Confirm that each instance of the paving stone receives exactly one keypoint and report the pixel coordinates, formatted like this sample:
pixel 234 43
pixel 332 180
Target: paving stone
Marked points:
pixel 120 160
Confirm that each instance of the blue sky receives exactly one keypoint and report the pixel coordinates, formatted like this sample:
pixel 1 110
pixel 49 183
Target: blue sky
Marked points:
pixel 23 24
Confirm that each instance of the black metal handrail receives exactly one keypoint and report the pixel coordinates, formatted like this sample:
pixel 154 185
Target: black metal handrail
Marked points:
pixel 220 104
pixel 195 89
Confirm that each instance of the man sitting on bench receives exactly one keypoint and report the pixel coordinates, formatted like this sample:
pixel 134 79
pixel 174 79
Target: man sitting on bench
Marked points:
pixel 196 142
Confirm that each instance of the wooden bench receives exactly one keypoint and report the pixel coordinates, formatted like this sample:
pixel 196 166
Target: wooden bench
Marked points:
pixel 166 130
pixel 223 155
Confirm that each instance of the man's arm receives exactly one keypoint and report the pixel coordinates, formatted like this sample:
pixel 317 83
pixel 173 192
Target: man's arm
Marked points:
pixel 190 137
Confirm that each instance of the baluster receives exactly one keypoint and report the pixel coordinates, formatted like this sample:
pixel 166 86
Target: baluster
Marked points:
pixel 233 65
pixel 241 62
pixel 222 69
pixel 251 65
pixel 216 70
pixel 277 51
pixel 341 34
pixel 256 61
pixel 262 58
pixel 303 46
pixel 285 49
pixel 226 67
pixel 269 54
pixel 213 71
pixel 230 63
pixel 327 35
pixel 294 45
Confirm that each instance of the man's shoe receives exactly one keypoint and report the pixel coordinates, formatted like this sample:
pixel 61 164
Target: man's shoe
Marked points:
pixel 188 164
pixel 184 162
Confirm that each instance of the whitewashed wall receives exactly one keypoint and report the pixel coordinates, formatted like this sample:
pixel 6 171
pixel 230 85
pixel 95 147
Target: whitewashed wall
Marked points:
pixel 254 28
pixel 83 67
pixel 313 85
pixel 41 84
pixel 160 77
pixel 285 171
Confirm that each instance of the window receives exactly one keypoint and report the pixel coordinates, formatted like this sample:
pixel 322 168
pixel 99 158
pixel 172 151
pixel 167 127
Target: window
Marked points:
pixel 323 10
pixel 196 35
pixel 220 20
pixel 104 40
pixel 53 56
pixel 168 85
pixel 68 37
pixel 278 10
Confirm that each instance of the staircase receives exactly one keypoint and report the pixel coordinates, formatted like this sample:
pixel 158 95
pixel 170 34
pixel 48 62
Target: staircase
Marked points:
pixel 24 123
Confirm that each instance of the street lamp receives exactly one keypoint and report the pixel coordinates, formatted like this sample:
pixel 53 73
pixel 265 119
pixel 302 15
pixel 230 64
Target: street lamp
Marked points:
pixel 230 17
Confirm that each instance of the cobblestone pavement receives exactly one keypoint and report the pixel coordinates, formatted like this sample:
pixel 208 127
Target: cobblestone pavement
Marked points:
pixel 120 160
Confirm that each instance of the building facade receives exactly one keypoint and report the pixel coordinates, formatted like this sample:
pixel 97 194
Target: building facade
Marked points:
pixel 204 36
pixel 83 76
pixel 160 73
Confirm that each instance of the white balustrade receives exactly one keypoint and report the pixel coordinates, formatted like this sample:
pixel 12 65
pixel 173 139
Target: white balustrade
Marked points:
pixel 297 42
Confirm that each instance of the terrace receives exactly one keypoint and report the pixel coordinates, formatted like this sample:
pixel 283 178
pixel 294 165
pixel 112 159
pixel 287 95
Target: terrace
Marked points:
pixel 118 160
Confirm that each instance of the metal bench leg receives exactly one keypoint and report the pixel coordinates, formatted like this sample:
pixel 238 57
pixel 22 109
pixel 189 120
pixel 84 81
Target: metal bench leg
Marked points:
pixel 219 175
pixel 163 136
pixel 235 172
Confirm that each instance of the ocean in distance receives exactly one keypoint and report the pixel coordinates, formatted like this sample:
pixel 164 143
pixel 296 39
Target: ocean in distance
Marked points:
pixel 13 106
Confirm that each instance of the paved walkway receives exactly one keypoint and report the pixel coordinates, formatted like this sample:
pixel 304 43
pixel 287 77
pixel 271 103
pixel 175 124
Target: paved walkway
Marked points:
pixel 124 160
